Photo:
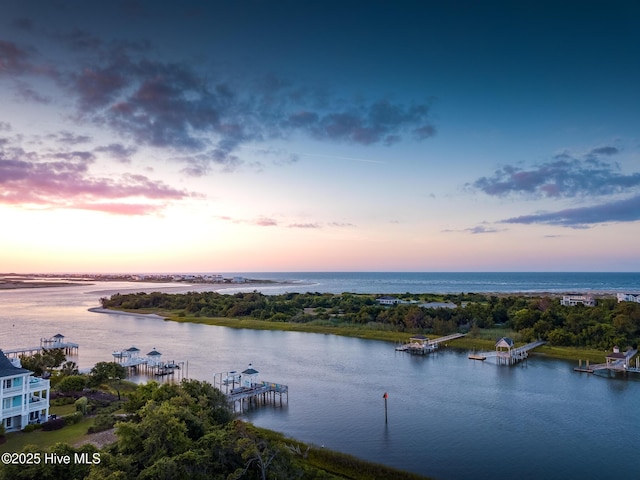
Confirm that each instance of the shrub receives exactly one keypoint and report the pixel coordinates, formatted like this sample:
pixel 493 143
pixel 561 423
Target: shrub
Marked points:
pixel 55 424
pixel 102 423
pixel 73 418
pixel 29 428
pixel 81 405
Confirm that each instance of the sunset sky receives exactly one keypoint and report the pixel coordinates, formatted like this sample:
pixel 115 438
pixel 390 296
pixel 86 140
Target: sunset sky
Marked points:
pixel 230 136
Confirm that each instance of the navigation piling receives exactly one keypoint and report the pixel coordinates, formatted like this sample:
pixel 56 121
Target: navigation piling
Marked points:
pixel 385 396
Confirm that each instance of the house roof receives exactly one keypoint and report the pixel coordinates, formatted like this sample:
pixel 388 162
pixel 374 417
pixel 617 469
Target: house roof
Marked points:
pixel 7 369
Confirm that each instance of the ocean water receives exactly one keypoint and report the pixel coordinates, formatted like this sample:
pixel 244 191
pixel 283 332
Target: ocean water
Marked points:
pixel 449 417
pixel 449 282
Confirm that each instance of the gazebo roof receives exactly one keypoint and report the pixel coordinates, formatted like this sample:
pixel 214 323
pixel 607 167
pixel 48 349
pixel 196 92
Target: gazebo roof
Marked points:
pixel 250 371
pixel 133 349
pixel 616 355
pixel 153 353
pixel 58 335
pixel 504 342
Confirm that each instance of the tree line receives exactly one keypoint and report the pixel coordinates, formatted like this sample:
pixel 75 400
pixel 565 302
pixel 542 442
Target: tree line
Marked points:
pixel 607 324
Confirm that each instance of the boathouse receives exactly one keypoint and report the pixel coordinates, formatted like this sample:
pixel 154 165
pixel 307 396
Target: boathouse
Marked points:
pixel 503 350
pixel 250 377
pixel 244 390
pixel 153 358
pixel 618 360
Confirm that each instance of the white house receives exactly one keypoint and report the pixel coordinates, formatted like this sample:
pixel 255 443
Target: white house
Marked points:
pixel 24 399
pixel 573 300
pixel 388 300
pixel 628 297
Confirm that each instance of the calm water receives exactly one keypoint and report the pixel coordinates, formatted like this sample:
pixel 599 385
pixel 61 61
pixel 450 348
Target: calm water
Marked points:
pixel 449 417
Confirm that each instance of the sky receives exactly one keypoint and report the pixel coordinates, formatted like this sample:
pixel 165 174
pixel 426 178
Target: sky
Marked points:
pixel 257 136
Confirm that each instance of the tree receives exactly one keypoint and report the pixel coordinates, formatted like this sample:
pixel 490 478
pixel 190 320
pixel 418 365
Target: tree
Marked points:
pixel 111 372
pixel 72 383
pixel 41 363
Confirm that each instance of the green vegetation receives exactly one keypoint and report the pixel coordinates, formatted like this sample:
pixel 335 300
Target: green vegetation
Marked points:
pixel 178 431
pixel 571 332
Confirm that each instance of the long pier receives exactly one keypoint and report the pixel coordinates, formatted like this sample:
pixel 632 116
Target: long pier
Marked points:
pixel 421 345
pixel 53 343
pixel 508 357
pixel 517 354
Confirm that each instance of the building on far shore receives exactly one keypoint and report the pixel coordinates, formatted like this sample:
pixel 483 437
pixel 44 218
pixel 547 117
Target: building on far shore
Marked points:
pixel 24 399
pixel 628 297
pixel 575 299
pixel 388 300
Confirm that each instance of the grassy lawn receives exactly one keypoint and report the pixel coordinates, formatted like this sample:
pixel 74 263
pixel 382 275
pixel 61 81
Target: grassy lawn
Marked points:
pixel 62 410
pixel 43 440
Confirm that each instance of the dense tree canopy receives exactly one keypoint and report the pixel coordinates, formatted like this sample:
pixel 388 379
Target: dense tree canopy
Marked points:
pixel 607 324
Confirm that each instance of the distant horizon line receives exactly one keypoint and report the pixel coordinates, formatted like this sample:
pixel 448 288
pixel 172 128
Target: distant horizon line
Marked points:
pixel 208 272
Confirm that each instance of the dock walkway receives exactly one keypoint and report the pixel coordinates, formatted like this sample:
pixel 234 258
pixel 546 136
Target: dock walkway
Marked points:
pixel 52 343
pixel 613 365
pixel 421 345
pixel 508 357
pixel 249 392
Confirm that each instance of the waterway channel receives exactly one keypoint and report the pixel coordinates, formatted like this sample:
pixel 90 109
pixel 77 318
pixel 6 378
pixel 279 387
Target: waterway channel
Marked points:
pixel 448 417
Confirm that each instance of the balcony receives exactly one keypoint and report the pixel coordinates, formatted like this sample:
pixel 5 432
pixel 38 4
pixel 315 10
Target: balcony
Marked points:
pixel 36 384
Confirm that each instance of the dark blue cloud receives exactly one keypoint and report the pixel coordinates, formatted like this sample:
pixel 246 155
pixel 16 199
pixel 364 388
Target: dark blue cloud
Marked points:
pixel 627 210
pixel 564 177
pixel 186 108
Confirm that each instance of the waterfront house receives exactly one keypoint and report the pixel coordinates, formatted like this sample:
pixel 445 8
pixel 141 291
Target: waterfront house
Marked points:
pixel 575 299
pixel 24 399
pixel 628 297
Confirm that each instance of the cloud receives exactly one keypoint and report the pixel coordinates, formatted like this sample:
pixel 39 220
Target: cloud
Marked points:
pixel 481 229
pixel 200 117
pixel 378 122
pixel 564 177
pixel 69 138
pixel 265 222
pixel 118 152
pixel 13 60
pixel 62 180
pixel 304 225
pixel 627 210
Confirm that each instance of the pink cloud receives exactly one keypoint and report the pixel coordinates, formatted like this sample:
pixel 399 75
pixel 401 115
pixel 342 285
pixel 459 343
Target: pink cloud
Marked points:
pixel 67 183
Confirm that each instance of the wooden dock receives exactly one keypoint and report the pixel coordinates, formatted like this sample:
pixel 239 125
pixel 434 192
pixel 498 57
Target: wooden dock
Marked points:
pixel 53 343
pixel 515 355
pixel 506 353
pixel 150 364
pixel 248 393
pixel 616 363
pixel 421 345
